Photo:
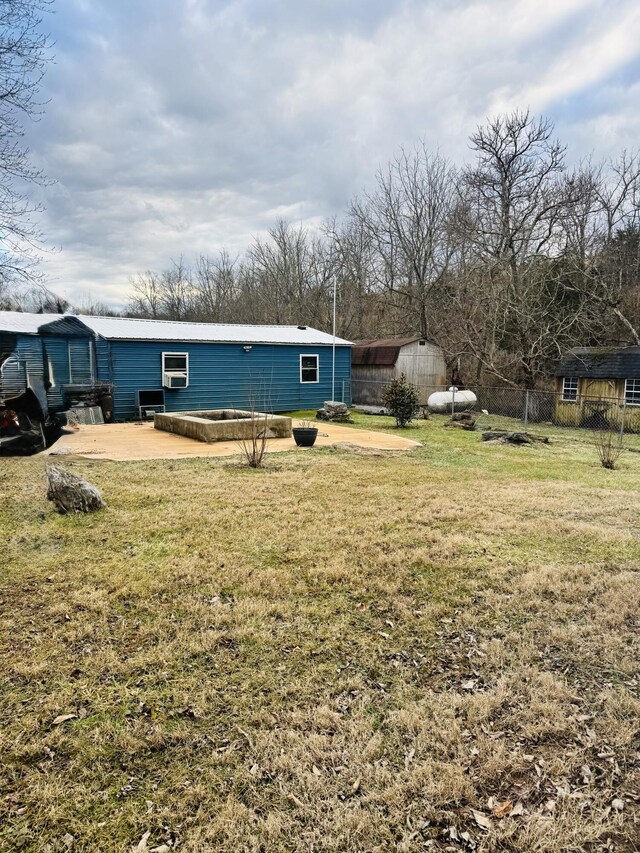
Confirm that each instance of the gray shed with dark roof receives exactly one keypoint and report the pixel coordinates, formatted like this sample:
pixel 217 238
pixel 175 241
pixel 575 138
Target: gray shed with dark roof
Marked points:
pixel 375 363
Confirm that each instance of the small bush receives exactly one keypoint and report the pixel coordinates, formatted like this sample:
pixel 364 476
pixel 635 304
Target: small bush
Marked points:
pixel 254 447
pixel 608 443
pixel 402 400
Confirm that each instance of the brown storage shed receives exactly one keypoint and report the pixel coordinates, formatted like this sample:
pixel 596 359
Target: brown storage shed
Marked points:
pixel 374 363
pixel 599 386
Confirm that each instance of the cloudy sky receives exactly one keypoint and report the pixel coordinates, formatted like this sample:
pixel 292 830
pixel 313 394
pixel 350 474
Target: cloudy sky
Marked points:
pixel 182 126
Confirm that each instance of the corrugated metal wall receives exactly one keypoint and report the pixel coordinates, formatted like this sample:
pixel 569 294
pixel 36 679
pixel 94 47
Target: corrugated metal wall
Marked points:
pixel 422 364
pixel 368 380
pixel 81 361
pixel 25 363
pixel 224 376
pixel 38 360
pixel 56 353
pixel 103 360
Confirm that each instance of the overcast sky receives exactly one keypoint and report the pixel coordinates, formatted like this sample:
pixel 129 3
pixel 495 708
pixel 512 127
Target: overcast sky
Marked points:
pixel 182 126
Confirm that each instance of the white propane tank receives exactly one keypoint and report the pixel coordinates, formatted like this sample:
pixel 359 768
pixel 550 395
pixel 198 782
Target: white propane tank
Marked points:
pixel 440 401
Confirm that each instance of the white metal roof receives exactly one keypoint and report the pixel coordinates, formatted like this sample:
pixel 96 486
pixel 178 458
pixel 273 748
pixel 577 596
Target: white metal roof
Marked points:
pixel 131 329
pixel 27 324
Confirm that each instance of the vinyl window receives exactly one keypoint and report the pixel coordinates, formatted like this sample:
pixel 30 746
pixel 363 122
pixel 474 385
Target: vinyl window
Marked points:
pixel 632 392
pixel 309 371
pixel 569 389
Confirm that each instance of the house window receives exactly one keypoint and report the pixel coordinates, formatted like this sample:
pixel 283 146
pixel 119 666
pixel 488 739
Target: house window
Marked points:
pixel 175 369
pixel 309 368
pixel 632 392
pixel 569 389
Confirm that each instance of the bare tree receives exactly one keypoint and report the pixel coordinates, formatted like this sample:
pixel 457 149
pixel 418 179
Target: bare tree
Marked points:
pixel 254 445
pixel 24 52
pixel 168 295
pixel 215 287
pixel 146 298
pixel 614 264
pixel 510 214
pixel 361 312
pixel 506 263
pixel 291 274
pixel 407 219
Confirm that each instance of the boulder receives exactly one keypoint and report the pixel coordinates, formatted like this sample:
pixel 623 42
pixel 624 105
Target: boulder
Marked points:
pixel 334 411
pixel 70 493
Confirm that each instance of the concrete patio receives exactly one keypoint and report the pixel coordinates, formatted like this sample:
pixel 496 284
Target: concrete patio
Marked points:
pixel 136 441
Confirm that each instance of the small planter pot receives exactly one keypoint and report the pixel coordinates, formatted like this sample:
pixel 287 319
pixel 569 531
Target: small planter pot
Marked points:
pixel 305 436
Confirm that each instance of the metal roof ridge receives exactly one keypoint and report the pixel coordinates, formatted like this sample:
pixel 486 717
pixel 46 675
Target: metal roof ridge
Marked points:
pixel 192 322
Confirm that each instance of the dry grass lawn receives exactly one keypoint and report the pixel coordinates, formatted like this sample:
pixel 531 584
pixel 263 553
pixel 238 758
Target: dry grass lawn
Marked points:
pixel 344 652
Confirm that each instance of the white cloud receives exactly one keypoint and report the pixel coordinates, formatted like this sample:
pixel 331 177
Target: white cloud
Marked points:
pixel 187 125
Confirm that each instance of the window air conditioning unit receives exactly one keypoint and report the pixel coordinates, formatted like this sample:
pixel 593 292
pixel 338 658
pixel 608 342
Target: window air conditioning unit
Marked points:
pixel 175 380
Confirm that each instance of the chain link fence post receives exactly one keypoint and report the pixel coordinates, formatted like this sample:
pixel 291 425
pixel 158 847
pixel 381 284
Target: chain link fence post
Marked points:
pixel 525 419
pixel 453 400
pixel 624 411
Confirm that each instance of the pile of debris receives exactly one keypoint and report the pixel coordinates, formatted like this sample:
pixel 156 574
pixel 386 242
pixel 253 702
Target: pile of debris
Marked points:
pixel 23 427
pixel 506 437
pixel 334 411
pixel 461 420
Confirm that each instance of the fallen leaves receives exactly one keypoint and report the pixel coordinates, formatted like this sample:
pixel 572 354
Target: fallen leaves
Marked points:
pixel 501 810
pixel 64 718
pixel 517 810
pixel 481 819
pixel 143 846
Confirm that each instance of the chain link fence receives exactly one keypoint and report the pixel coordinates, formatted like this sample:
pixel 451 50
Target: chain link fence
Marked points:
pixel 528 407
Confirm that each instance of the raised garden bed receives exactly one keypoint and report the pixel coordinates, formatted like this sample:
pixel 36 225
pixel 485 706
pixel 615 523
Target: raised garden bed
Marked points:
pixel 223 424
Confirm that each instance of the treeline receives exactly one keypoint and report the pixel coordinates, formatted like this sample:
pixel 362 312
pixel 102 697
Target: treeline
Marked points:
pixel 505 262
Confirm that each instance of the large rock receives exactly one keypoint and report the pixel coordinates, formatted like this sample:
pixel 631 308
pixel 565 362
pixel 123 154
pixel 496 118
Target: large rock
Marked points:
pixel 334 411
pixel 70 493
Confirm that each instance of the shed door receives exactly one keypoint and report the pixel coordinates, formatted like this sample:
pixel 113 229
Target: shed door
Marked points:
pixel 599 389
pixel 599 403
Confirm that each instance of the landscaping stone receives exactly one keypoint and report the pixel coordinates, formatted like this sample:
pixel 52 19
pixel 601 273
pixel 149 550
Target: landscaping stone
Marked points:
pixel 70 493
pixel 334 411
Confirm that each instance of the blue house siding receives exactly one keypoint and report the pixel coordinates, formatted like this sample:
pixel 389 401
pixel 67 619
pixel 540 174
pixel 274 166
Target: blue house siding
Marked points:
pixel 81 361
pixel 103 359
pixel 47 363
pixel 224 376
pixel 24 363
pixel 72 361
pixel 56 354
pixel 24 368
